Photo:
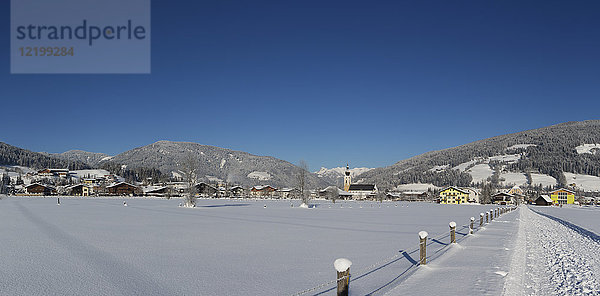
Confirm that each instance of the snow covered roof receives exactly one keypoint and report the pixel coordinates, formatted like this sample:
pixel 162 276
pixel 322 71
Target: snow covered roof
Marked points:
pixel 546 198
pixel 563 189
pixel 151 188
pixel 120 183
pixel 457 189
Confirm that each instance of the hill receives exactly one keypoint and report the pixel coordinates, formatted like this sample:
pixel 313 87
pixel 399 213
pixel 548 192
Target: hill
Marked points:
pixel 557 154
pixel 11 155
pixel 215 163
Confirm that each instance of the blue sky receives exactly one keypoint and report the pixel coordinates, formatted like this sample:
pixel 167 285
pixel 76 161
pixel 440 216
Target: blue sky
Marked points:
pixel 330 82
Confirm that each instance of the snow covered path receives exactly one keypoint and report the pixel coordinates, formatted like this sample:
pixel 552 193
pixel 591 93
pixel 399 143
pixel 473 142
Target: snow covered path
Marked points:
pixel 561 258
pixel 478 265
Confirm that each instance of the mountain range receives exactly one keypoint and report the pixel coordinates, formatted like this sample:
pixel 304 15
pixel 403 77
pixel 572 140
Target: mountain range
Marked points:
pixel 549 156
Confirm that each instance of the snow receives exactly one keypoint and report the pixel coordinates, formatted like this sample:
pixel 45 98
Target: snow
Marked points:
pixel 415 187
pixel 91 173
pixel 339 171
pixel 439 168
pixel 561 260
pixel 262 176
pixel 584 182
pixel 106 158
pixel 213 179
pixel 507 158
pixel 587 148
pixel 480 172
pixel 452 224
pixel 152 247
pixel 423 234
pixel 463 166
pixel 544 180
pixel 520 146
pixel 223 161
pixel 513 178
pixel 342 264
pixel 303 205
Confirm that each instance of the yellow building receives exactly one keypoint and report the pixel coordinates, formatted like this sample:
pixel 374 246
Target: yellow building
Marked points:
pixel 453 195
pixel 562 197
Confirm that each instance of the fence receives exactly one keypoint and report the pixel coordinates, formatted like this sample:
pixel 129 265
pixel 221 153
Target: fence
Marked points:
pixel 343 275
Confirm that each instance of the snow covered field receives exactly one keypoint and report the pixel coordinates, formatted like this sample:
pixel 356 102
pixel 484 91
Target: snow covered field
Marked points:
pixel 222 247
pixel 230 247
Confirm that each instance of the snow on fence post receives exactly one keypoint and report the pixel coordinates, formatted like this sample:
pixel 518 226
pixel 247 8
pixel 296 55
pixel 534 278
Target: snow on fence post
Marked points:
pixel 452 232
pixel 342 266
pixel 423 247
pixel 480 219
pixel 471 226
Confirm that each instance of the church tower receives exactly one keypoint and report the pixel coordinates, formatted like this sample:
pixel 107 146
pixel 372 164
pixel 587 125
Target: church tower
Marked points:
pixel 347 179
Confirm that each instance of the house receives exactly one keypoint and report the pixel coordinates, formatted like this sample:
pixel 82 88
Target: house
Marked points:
pixel 39 189
pixel 331 192
pixel 503 198
pixel 562 197
pixel 237 191
pixel 517 193
pixel 263 191
pixel 53 173
pixel 152 190
pixel 123 188
pixel 205 189
pixel 288 193
pixel 543 200
pixel 454 195
pixel 474 195
pixel 79 190
pixel 363 191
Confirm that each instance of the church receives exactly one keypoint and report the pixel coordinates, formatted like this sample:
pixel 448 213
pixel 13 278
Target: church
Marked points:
pixel 357 191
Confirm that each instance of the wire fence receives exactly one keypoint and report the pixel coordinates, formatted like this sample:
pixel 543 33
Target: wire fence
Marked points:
pixel 361 273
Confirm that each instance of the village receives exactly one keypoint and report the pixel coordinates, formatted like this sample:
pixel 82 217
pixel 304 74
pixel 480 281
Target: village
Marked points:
pixel 90 183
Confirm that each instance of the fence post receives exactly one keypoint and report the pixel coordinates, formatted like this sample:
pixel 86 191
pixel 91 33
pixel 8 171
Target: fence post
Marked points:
pixel 480 219
pixel 342 266
pixel 491 215
pixel 452 232
pixel 423 247
pixel 487 220
pixel 471 226
pixel 58 201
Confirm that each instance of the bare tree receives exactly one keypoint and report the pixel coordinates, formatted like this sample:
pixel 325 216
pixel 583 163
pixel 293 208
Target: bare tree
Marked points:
pixel 190 169
pixel 301 180
pixel 333 193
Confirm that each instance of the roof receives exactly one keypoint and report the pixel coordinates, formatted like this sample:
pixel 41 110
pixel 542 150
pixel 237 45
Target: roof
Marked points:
pixel 151 188
pixel 361 187
pixel 457 189
pixel 546 198
pixel 503 193
pixel 120 183
pixel 414 192
pixel 563 189
pixel 263 187
pixel 46 186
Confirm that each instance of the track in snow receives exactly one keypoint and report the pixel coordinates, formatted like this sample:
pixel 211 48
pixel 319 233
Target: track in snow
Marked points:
pixel 561 258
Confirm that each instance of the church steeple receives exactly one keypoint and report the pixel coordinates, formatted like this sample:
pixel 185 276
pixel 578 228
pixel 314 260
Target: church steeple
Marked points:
pixel 347 179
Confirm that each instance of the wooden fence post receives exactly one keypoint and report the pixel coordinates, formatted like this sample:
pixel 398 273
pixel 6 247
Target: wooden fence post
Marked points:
pixel 423 247
pixel 342 266
pixel 471 226
pixel 452 232
pixel 487 220
pixel 491 215
pixel 480 219
pixel 58 201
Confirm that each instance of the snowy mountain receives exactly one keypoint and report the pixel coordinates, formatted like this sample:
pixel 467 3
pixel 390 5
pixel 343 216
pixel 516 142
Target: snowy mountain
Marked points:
pixel 215 163
pixel 91 158
pixel 560 154
pixel 11 155
pixel 336 175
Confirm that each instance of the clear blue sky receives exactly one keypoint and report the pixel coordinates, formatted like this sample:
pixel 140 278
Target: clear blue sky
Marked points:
pixel 330 82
